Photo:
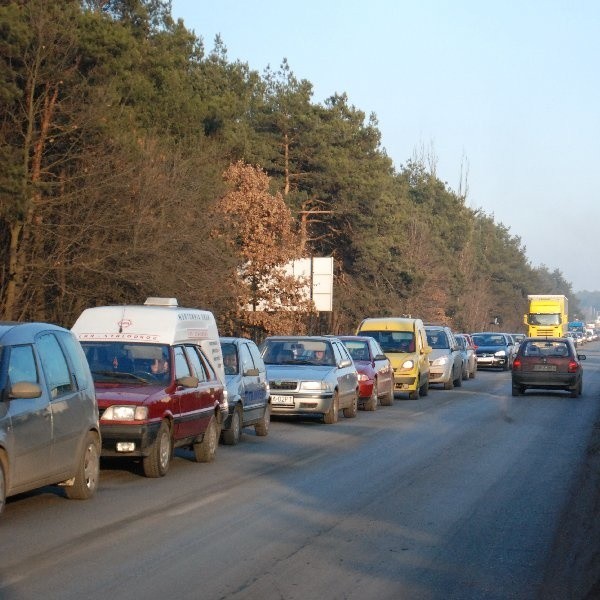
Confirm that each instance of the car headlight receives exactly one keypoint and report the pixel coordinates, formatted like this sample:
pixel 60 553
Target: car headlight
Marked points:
pixel 125 413
pixel 408 364
pixel 500 353
pixel 440 362
pixel 314 386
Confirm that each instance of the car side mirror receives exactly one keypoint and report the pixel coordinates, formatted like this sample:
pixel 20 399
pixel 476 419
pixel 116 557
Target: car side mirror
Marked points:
pixel 380 357
pixel 189 381
pixel 344 363
pixel 581 356
pixel 25 389
pixel 251 373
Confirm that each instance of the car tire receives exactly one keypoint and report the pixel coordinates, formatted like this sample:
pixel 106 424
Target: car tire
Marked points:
pixel 388 399
pixel 205 450
pixel 88 471
pixel 232 436
pixel 331 416
pixel 472 373
pixel 517 390
pixel 424 389
pixel 458 381
pixel 262 427
pixel 2 487
pixel 351 411
pixel 506 366
pixel 373 401
pixel 415 394
pixel 157 463
pixel 466 375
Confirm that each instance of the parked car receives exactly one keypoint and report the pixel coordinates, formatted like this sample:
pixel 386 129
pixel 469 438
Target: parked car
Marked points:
pixel 375 373
pixel 310 375
pixel 445 360
pixel 548 363
pixel 493 350
pixel 160 382
pixel 404 341
pixel 49 430
pixel 467 349
pixel 247 389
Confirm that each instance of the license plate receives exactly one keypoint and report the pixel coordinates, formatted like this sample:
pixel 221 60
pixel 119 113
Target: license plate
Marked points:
pixel 544 367
pixel 282 400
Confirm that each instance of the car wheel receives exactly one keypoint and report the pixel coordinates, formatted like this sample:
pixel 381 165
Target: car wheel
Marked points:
pixel 448 385
pixel 205 450
pixel 156 464
pixel 331 416
pixel 466 375
pixel 388 399
pixel 414 395
pixel 2 487
pixel 473 371
pixel 458 381
pixel 516 390
pixel 506 366
pixel 88 471
pixel 262 427
pixel 232 436
pixel 351 411
pixel 424 389
pixel 373 401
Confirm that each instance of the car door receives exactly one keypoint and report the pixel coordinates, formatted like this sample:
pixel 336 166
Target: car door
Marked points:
pixel 253 402
pixel 205 399
pixel 28 420
pixel 68 410
pixel 187 400
pixel 383 368
pixel 346 374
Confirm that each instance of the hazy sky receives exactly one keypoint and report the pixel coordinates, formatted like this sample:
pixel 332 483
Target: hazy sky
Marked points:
pixel 511 89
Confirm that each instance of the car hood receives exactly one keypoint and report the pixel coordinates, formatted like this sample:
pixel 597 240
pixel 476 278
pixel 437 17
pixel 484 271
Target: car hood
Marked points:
pixel 110 393
pixel 298 371
pixel 491 349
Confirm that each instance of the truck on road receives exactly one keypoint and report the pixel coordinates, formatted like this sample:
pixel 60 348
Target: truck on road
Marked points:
pixel 548 315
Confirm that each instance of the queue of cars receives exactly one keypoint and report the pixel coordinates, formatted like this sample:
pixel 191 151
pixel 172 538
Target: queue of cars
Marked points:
pixel 135 382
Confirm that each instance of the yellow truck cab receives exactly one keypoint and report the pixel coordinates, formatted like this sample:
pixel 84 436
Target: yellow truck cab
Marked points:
pixel 404 342
pixel 548 315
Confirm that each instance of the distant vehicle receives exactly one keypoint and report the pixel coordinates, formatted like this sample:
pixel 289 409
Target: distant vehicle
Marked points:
pixel 247 389
pixel 548 315
pixel 493 349
pixel 49 430
pixel 310 375
pixel 404 342
pixel 467 350
pixel 375 373
pixel 445 360
pixel 548 363
pixel 160 383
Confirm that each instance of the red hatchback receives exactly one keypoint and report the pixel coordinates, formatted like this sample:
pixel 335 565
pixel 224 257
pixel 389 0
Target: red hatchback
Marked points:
pixel 547 363
pixel 375 373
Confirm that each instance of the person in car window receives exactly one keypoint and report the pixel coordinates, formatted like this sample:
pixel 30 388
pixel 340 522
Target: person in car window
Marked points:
pixel 230 362
pixel 159 366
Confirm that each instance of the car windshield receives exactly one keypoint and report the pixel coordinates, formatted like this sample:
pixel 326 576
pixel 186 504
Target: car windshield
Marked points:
pixel 298 352
pixel 489 340
pixel 437 339
pixel 230 361
pixel 393 341
pixel 544 319
pixel 124 361
pixel 358 350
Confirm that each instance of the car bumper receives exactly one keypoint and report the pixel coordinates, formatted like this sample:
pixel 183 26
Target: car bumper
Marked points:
pixel 300 404
pixel 440 374
pixel 546 380
pixel 143 436
pixel 491 361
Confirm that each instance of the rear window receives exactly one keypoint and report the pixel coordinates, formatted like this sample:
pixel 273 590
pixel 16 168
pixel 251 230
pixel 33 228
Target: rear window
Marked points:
pixel 545 348
pixel 393 341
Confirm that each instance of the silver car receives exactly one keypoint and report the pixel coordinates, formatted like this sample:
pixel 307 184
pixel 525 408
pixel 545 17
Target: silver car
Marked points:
pixel 310 375
pixel 49 429
pixel 445 360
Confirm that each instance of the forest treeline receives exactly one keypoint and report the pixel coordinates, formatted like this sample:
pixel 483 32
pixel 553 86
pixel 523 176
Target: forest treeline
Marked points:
pixel 134 162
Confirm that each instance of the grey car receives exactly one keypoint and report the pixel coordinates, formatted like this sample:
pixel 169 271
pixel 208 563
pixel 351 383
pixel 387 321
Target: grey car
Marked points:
pixel 247 389
pixel 445 360
pixel 49 429
pixel 310 375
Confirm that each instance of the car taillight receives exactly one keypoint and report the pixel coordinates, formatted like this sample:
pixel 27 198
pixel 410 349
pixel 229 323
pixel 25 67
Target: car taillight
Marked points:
pixel 572 366
pixel 516 364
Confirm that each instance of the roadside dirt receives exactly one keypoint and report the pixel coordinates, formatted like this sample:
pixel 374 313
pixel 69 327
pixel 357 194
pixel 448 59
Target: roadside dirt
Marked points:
pixel 573 572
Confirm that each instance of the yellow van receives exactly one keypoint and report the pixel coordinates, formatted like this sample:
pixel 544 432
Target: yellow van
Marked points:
pixel 404 342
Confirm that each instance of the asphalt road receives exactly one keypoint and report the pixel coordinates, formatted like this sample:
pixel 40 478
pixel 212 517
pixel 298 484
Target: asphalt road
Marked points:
pixel 457 495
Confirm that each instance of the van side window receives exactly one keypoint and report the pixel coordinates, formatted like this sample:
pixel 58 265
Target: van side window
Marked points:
pixel 337 354
pixel 245 358
pixel 78 359
pixel 192 353
pixel 182 369
pixel 256 357
pixel 21 365
pixel 55 365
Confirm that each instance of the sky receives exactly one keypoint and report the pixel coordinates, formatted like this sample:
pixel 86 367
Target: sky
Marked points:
pixel 506 93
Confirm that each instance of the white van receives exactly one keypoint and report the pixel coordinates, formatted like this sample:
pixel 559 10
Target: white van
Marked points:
pixel 159 378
